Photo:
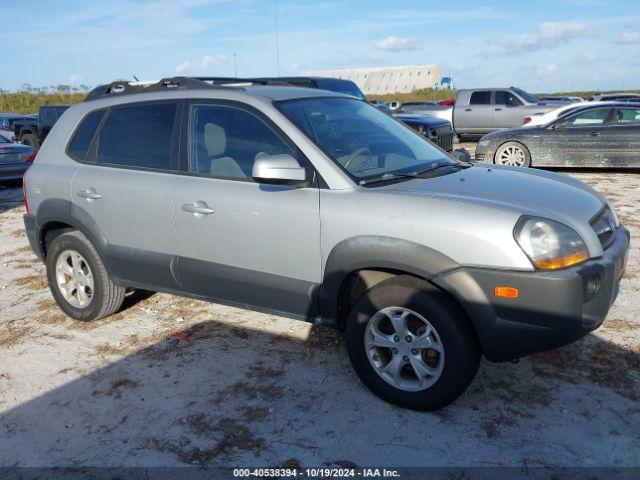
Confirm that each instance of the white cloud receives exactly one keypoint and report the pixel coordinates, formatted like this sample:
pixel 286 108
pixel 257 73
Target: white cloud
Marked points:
pixel 399 44
pixel 630 38
pixel 587 58
pixel 546 70
pixel 205 64
pixel 183 67
pixel 209 61
pixel 549 35
pixel 75 78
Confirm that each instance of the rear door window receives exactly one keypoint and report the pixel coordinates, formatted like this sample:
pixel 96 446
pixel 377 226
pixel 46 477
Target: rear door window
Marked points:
pixel 81 141
pixel 138 136
pixel 591 118
pixel 480 98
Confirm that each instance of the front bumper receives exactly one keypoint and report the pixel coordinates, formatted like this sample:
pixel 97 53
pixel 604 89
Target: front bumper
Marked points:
pixel 554 308
pixel 483 153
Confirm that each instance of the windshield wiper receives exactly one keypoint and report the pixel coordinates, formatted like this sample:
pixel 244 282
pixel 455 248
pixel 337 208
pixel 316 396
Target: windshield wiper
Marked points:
pixel 395 175
pixel 442 165
pixel 388 176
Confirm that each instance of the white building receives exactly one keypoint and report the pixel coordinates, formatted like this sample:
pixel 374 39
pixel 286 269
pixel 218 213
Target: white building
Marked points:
pixel 382 80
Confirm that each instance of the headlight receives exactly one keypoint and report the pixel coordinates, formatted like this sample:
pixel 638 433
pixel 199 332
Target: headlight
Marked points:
pixel 550 245
pixel 484 143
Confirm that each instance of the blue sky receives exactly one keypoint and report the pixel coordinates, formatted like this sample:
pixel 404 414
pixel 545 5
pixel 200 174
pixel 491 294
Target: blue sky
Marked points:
pixel 538 45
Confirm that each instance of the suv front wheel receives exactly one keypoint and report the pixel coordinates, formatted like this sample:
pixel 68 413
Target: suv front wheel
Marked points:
pixel 79 280
pixel 411 345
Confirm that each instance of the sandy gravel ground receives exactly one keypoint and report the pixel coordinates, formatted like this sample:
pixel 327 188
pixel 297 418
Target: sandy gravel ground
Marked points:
pixel 172 381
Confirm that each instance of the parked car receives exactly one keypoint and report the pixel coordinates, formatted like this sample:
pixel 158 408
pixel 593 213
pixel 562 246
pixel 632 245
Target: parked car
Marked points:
pixel 6 124
pixel 560 98
pixel 548 117
pixel 318 206
pixel 620 97
pixel 14 159
pixel 481 111
pixel 601 135
pixel 32 131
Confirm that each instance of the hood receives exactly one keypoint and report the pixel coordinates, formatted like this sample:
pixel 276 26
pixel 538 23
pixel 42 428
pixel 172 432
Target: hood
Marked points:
pixel 531 192
pixel 423 119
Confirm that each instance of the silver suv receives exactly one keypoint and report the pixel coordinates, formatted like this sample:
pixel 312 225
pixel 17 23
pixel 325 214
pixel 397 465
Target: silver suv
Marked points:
pixel 316 205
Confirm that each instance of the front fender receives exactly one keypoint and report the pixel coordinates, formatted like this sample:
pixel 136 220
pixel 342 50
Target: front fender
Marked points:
pixel 375 252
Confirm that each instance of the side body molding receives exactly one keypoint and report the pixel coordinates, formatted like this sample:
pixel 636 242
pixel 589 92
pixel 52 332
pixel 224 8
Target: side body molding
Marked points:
pixel 375 252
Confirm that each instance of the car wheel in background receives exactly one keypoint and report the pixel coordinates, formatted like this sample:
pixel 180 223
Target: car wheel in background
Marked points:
pixel 512 153
pixel 79 280
pixel 30 140
pixel 411 345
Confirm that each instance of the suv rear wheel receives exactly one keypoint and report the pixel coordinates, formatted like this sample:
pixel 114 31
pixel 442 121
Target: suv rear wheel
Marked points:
pixel 78 279
pixel 411 345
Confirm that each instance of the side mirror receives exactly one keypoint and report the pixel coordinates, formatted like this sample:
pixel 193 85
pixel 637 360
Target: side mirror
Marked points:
pixel 279 170
pixel 559 125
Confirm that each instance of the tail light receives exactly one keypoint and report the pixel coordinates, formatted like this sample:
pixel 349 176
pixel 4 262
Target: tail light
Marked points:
pixel 526 120
pixel 32 157
pixel 24 191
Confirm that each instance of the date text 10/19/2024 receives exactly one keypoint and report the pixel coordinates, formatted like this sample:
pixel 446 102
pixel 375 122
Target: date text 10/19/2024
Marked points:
pixel 316 472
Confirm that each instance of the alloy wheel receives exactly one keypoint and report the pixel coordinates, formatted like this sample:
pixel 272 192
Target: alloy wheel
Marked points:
pixel 404 349
pixel 74 278
pixel 511 155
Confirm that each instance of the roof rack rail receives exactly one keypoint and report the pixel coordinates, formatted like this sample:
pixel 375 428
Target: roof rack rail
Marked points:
pixel 125 87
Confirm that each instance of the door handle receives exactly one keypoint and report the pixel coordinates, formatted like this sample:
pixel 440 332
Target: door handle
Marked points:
pixel 468 109
pixel 89 194
pixel 498 109
pixel 594 134
pixel 198 208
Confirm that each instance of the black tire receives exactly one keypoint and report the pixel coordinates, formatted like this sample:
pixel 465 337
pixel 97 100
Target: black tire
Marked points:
pixel 31 140
pixel 107 297
pixel 504 146
pixel 461 349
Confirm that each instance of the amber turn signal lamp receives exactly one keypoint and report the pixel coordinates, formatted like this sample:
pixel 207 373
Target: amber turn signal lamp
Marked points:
pixel 562 262
pixel 506 292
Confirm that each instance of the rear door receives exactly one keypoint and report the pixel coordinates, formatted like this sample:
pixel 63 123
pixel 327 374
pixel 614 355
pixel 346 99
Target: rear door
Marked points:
pixel 124 188
pixel 506 111
pixel 623 138
pixel 243 242
pixel 583 139
pixel 476 116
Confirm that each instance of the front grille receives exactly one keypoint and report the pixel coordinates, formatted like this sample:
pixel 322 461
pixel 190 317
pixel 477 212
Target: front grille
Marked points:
pixel 442 136
pixel 604 225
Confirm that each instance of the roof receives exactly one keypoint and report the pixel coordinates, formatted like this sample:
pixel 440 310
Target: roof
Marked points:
pixel 184 87
pixel 14 115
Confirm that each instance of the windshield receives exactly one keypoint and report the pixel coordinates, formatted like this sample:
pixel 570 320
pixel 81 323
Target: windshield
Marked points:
pixel 363 140
pixel 526 95
pixel 340 86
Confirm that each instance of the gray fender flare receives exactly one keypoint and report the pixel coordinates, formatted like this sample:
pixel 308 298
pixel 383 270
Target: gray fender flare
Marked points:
pixel 375 252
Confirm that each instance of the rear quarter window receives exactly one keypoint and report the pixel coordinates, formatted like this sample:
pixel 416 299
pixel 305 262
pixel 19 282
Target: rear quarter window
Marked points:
pixel 83 136
pixel 139 136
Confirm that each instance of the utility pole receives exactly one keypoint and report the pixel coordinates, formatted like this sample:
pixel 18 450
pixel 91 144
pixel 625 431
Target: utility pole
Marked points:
pixel 235 65
pixel 275 17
